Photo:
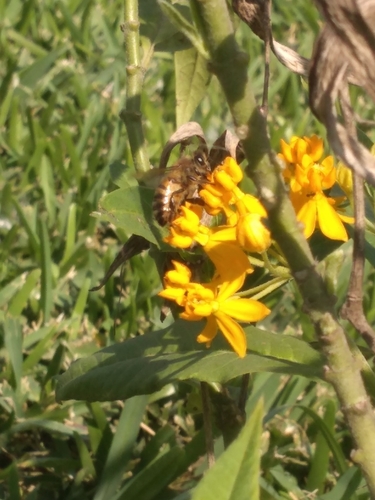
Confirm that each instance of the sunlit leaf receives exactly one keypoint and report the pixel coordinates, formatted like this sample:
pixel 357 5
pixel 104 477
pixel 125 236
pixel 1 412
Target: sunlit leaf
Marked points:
pixel 146 363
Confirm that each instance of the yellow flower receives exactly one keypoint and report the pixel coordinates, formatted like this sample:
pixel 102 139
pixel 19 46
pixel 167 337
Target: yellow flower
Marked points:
pixel 316 176
pixel 308 177
pixel 186 229
pixel 298 147
pixel 215 302
pixel 318 210
pixel 218 243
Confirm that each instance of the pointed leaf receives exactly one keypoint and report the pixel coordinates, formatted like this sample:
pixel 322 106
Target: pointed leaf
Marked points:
pixel 235 476
pixel 192 77
pixel 144 364
pixel 121 448
pixel 131 209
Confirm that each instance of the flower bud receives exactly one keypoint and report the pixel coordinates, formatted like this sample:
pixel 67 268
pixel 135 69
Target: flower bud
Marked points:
pixel 344 178
pixel 252 235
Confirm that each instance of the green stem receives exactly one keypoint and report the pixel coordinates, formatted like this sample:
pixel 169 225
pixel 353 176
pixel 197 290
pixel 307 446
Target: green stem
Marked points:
pixel 264 289
pixel 279 271
pixel 230 66
pixel 131 115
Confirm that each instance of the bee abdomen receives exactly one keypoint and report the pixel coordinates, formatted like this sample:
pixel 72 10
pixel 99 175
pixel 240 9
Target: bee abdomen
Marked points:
pixel 162 206
pixel 162 212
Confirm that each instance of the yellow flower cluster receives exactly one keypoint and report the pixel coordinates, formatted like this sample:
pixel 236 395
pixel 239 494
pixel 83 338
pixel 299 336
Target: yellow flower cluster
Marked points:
pixel 308 178
pixel 216 302
pixel 224 245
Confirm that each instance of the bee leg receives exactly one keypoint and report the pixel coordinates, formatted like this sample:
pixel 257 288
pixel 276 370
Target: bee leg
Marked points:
pixel 196 201
pixel 176 203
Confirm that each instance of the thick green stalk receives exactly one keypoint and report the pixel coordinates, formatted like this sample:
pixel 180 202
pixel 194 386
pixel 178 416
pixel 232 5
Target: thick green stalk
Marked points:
pixel 131 115
pixel 230 66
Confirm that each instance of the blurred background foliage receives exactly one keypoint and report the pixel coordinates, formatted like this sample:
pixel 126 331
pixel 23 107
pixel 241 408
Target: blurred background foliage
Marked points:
pixel 63 78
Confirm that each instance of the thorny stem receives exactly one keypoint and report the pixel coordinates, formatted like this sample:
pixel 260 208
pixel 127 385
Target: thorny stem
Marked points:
pixel 207 422
pixel 131 115
pixel 230 66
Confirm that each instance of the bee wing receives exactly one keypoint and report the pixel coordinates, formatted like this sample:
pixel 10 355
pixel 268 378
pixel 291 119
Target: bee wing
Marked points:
pixel 153 177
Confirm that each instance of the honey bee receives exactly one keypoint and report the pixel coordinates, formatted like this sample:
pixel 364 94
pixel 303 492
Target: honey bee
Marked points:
pixel 179 184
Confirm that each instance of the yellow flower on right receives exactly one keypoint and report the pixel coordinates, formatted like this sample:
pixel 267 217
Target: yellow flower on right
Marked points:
pixel 308 177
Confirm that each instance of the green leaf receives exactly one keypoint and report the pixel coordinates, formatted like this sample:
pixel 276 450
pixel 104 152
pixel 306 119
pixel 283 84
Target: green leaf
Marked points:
pixel 319 465
pixel 121 448
pixel 145 364
pixel 40 349
pixel 46 264
pixel 19 301
pixel 84 455
pixel 346 486
pixel 235 476
pixel 192 78
pixel 159 31
pixel 13 345
pixel 30 76
pixel 179 20
pixel 153 478
pixel 131 209
pixel 14 482
pixel 326 432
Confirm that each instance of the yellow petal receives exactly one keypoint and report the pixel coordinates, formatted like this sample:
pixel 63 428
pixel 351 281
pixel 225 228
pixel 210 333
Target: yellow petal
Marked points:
pixel 287 152
pixel 232 168
pixel 209 332
pixel 316 147
pixel 248 310
pixel 253 205
pixel 178 240
pixel 329 222
pixel 210 199
pixel 229 287
pixel 315 179
pixel 223 234
pixel 190 316
pixel 307 215
pixel 224 180
pixel 230 261
pixel 233 332
pixel 204 310
pixel 300 147
pixel 179 276
pixel 181 268
pixel 174 294
pixel 346 218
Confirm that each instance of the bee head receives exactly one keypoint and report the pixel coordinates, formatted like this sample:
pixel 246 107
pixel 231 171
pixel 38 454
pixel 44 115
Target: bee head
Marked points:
pixel 200 160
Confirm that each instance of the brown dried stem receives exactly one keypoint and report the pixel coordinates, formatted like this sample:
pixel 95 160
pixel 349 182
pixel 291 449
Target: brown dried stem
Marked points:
pixel 352 310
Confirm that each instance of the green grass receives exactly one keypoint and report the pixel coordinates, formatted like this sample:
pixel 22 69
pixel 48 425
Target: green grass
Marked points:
pixel 63 78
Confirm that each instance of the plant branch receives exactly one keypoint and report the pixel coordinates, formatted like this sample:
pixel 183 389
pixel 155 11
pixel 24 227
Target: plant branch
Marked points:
pixel 230 66
pixel 131 114
pixel 352 310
